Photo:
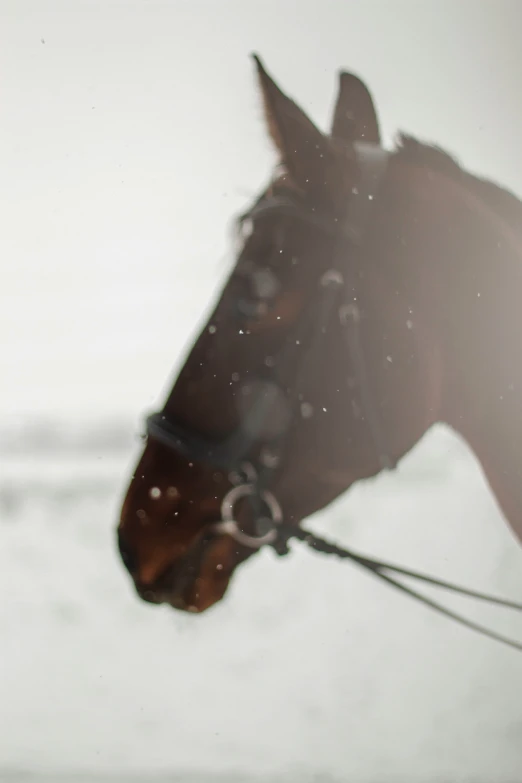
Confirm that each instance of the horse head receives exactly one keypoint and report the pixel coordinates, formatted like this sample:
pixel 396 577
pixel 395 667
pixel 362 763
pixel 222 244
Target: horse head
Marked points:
pixel 269 419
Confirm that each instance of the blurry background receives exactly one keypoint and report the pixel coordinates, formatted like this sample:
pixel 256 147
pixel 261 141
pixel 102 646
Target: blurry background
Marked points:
pixel 131 134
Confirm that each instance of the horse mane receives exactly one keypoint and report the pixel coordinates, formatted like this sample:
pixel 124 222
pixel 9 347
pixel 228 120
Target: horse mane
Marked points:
pixel 501 201
pixel 504 203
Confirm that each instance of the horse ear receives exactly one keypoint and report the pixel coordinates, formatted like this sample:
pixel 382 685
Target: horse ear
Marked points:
pixel 305 152
pixel 355 118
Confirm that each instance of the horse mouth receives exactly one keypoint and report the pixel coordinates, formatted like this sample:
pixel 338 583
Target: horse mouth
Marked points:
pixel 199 579
pixel 177 587
pixel 159 594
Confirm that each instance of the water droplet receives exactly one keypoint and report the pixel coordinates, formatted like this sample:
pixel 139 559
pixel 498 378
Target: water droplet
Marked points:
pixel 269 458
pixel 307 410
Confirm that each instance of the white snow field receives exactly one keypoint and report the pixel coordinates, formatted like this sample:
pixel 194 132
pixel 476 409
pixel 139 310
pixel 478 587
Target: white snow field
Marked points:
pixel 308 669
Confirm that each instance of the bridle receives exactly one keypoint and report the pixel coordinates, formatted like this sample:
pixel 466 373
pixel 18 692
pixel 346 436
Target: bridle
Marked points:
pixel 251 476
pixel 233 454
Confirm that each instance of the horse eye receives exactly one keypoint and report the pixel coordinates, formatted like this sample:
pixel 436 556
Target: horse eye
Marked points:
pixel 251 309
pixel 263 287
pixel 264 283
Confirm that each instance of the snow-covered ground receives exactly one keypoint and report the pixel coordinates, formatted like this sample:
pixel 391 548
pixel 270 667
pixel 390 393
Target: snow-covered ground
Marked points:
pixel 309 669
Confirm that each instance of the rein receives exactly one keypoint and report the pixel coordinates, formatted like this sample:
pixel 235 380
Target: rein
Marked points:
pixel 380 568
pixel 233 454
pixel 273 531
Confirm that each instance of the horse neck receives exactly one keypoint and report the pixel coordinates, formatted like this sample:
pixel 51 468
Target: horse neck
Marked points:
pixel 474 269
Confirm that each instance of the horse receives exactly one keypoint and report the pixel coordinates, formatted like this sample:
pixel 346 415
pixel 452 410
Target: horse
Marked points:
pixel 375 293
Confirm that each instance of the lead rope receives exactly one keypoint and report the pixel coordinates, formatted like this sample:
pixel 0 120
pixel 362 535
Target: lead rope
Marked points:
pixel 379 567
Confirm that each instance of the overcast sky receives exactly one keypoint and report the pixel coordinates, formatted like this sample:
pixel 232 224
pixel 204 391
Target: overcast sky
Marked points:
pixel 132 133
